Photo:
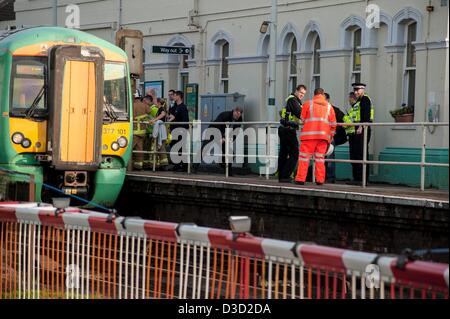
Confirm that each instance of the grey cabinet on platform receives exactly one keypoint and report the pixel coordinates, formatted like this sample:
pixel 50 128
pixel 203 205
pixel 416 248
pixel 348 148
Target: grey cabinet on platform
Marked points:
pixel 211 105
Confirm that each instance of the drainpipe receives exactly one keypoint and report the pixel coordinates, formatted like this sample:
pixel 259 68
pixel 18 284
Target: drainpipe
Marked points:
pixel 119 14
pixel 427 57
pixel 204 54
pixel 271 108
pixel 55 12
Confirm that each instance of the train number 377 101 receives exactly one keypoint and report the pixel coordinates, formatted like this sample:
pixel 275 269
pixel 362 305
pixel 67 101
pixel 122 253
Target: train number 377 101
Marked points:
pixel 119 131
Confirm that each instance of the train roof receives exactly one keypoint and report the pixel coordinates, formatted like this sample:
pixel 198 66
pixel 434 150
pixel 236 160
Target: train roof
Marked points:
pixel 18 38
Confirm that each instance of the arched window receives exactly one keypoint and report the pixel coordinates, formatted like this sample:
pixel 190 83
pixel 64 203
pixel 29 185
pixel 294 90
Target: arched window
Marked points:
pixel 183 70
pixel 221 49
pixel 288 45
pixel 293 66
pixel 316 63
pixel 180 75
pixel 224 74
pixel 312 44
pixel 356 56
pixel 409 82
pixel 407 27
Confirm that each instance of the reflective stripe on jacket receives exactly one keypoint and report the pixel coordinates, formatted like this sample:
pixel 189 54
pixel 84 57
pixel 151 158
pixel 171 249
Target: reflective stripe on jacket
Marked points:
pixel 139 128
pixel 349 129
pixel 319 120
pixel 140 112
pixel 288 116
pixel 354 115
pixel 153 113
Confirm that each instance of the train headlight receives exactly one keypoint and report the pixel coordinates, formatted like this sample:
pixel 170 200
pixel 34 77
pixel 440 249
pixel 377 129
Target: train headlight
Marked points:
pixel 115 146
pixel 26 143
pixel 17 138
pixel 70 178
pixel 123 142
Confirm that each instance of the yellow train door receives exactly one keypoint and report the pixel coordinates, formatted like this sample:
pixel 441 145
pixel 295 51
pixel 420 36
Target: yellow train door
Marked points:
pixel 77 108
pixel 78 116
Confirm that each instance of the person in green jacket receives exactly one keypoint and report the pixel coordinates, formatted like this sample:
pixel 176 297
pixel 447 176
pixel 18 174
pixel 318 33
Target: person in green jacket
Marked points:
pixel 149 101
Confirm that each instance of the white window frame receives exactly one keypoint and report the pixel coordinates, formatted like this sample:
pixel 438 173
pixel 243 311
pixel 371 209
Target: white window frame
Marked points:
pixel 408 69
pixel 315 77
pixel 224 81
pixel 182 71
pixel 292 77
pixel 354 73
pixel 182 74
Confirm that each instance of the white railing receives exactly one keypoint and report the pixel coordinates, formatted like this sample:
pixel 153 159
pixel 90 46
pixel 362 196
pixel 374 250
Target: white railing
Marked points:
pixel 268 125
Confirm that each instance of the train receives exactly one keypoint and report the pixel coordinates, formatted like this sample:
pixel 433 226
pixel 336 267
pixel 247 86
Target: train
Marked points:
pixel 66 112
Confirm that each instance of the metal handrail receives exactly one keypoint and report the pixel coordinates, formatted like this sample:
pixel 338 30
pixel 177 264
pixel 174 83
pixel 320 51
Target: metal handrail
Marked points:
pixel 423 164
pixel 278 123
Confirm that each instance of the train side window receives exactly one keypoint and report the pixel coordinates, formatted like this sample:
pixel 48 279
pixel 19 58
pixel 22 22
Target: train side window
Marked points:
pixel 116 92
pixel 28 89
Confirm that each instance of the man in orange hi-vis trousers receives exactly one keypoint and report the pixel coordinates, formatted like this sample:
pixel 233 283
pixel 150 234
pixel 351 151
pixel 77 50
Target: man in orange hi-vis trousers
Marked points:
pixel 318 131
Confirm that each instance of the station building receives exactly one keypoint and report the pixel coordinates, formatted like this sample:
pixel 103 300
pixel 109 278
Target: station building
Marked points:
pixel 326 43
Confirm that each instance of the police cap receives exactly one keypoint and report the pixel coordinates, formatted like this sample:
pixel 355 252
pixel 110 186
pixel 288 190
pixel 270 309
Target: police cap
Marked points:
pixel 359 86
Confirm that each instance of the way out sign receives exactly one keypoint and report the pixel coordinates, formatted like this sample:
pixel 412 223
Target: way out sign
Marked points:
pixel 171 50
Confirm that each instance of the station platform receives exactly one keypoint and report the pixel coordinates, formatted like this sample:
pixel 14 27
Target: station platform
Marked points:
pixel 379 218
pixel 374 193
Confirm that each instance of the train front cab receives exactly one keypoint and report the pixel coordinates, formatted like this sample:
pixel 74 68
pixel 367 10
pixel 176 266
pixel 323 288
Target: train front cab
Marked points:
pixel 69 119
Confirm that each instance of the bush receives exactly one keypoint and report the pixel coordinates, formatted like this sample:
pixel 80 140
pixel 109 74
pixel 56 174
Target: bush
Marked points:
pixel 403 110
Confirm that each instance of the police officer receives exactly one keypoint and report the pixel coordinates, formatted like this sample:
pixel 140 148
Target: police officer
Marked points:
pixel 361 112
pixel 290 122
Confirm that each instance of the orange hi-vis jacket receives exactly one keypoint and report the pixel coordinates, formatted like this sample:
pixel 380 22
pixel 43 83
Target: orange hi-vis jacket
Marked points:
pixel 319 120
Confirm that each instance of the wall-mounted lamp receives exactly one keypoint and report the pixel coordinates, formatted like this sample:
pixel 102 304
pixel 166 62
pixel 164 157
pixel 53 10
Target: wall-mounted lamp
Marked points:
pixel 240 224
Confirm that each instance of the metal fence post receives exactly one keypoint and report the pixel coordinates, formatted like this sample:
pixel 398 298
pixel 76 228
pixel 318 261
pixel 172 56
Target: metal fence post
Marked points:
pixel 227 142
pixel 32 189
pixel 268 150
pixel 364 177
pixel 153 142
pixel 423 159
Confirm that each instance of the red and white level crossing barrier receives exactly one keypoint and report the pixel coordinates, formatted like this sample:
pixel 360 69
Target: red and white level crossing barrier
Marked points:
pixel 84 254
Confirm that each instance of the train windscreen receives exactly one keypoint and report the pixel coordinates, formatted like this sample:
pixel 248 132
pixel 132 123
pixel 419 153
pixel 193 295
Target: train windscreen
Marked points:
pixel 28 87
pixel 116 87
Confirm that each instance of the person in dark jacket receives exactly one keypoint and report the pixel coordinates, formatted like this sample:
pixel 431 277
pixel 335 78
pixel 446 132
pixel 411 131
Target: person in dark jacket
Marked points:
pixel 340 138
pixel 361 112
pixel 287 132
pixel 234 116
pixel 171 101
pixel 179 114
